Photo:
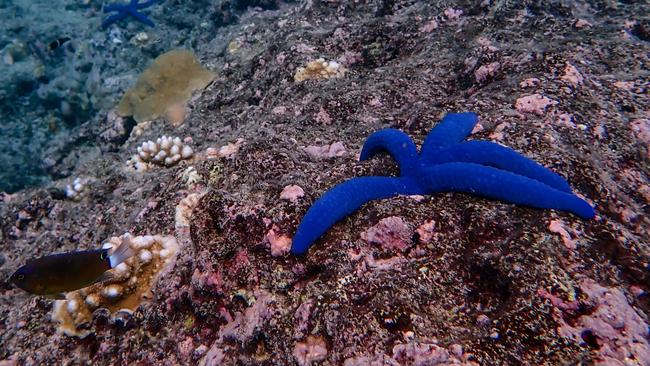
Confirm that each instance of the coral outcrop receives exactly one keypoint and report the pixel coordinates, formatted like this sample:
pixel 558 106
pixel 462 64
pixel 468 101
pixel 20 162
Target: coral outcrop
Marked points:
pixel 320 69
pixel 169 80
pixel 130 284
pixel 166 151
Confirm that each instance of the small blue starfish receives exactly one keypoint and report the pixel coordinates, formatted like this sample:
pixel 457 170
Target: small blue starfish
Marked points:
pixel 445 164
pixel 124 11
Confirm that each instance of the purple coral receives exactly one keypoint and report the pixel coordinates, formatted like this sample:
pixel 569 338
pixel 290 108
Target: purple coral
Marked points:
pixel 612 325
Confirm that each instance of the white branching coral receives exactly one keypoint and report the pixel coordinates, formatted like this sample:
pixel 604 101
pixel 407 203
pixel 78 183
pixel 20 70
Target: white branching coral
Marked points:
pixel 130 283
pixel 166 151
pixel 320 69
pixel 78 189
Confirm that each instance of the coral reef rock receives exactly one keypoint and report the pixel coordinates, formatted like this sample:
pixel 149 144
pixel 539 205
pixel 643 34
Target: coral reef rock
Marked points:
pixel 130 283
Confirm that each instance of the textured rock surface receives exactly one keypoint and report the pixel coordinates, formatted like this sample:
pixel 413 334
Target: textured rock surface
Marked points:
pixel 479 282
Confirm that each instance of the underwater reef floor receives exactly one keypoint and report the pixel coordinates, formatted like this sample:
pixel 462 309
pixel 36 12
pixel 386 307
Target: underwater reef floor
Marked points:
pixel 442 279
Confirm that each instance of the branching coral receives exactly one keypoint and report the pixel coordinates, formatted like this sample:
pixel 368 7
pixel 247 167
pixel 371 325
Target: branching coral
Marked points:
pixel 166 151
pixel 130 283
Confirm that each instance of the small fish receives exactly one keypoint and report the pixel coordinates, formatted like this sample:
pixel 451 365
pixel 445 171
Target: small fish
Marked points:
pixel 55 274
pixel 57 43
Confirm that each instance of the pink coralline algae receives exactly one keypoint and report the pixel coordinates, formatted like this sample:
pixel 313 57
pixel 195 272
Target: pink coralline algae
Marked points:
pixel 535 104
pixel 453 14
pixel 415 354
pixel 280 243
pixel 228 151
pixel 624 85
pixel 530 82
pixel 619 332
pixel 244 325
pixel 572 75
pixel 369 263
pixel 391 234
pixel 567 234
pixel 242 328
pixel 301 316
pixel 486 71
pixel 641 128
pixel 205 280
pixel 429 27
pixel 566 120
pixel 313 349
pixel 498 133
pixel 292 193
pixel 279 110
pixel 426 231
pixel 325 152
pixel 323 117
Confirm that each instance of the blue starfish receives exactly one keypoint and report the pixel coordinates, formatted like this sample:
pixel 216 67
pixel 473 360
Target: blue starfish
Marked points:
pixel 445 164
pixel 124 11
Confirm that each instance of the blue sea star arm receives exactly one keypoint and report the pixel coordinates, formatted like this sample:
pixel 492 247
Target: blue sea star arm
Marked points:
pixel 145 4
pixel 501 185
pixel 453 128
pixel 124 11
pixel 398 144
pixel 114 18
pixel 142 18
pixel 344 199
pixel 498 156
pixel 115 7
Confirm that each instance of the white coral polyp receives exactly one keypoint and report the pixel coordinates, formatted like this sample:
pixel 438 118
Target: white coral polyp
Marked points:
pixel 77 190
pixel 113 291
pixel 166 151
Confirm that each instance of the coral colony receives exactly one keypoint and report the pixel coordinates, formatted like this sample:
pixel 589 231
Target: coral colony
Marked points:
pixel 130 283
pixel 166 151
pixel 445 164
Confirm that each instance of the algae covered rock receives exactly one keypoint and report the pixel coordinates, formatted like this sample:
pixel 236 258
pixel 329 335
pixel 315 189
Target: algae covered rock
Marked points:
pixel 170 79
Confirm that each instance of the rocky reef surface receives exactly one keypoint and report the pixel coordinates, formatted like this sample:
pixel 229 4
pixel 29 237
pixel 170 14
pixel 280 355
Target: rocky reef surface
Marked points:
pixel 444 279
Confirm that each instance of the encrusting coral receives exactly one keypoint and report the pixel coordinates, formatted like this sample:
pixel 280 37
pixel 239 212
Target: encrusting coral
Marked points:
pixel 166 151
pixel 130 283
pixel 320 69
pixel 168 82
